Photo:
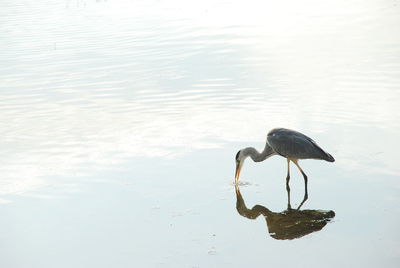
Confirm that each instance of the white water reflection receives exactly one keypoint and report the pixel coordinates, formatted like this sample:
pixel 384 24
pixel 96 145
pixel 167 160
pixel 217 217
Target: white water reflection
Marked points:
pixel 120 119
pixel 102 82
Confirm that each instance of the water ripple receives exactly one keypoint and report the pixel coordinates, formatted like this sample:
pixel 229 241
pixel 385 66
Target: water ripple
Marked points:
pixel 94 83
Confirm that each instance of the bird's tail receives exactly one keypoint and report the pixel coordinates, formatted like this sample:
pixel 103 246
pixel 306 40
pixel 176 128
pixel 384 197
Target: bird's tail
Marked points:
pixel 329 158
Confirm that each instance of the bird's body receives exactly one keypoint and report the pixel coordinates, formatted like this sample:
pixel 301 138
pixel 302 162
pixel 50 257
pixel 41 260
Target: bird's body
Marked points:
pixel 293 144
pixel 288 143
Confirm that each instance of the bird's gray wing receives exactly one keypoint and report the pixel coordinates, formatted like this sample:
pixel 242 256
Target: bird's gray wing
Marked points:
pixel 293 144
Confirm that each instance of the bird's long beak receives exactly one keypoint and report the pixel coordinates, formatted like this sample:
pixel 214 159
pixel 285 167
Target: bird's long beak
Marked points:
pixel 237 173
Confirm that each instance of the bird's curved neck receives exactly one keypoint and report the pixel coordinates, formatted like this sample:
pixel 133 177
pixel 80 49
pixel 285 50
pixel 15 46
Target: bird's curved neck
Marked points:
pixel 256 156
pixel 253 213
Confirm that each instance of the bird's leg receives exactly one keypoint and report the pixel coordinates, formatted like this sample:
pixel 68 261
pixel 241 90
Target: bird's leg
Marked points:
pixel 305 184
pixel 287 182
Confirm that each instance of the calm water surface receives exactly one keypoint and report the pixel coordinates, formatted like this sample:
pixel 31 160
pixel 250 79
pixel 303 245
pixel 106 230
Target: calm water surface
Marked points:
pixel 120 120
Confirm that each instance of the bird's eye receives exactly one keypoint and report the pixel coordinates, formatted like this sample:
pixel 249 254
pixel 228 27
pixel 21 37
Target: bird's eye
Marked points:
pixel 237 156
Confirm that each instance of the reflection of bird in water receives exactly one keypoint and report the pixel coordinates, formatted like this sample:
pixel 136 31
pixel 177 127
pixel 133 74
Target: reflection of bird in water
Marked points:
pixel 288 224
pixel 288 143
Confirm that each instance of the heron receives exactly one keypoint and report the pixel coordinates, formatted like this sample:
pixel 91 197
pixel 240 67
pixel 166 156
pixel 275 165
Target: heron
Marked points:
pixel 288 224
pixel 288 143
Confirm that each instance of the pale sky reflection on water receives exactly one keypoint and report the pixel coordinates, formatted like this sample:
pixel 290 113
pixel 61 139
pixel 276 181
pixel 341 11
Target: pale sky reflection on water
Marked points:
pixel 90 89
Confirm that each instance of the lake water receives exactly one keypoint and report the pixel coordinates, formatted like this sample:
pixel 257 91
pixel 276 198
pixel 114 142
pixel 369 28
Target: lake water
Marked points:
pixel 120 121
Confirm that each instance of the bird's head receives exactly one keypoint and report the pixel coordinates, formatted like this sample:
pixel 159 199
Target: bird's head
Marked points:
pixel 240 157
